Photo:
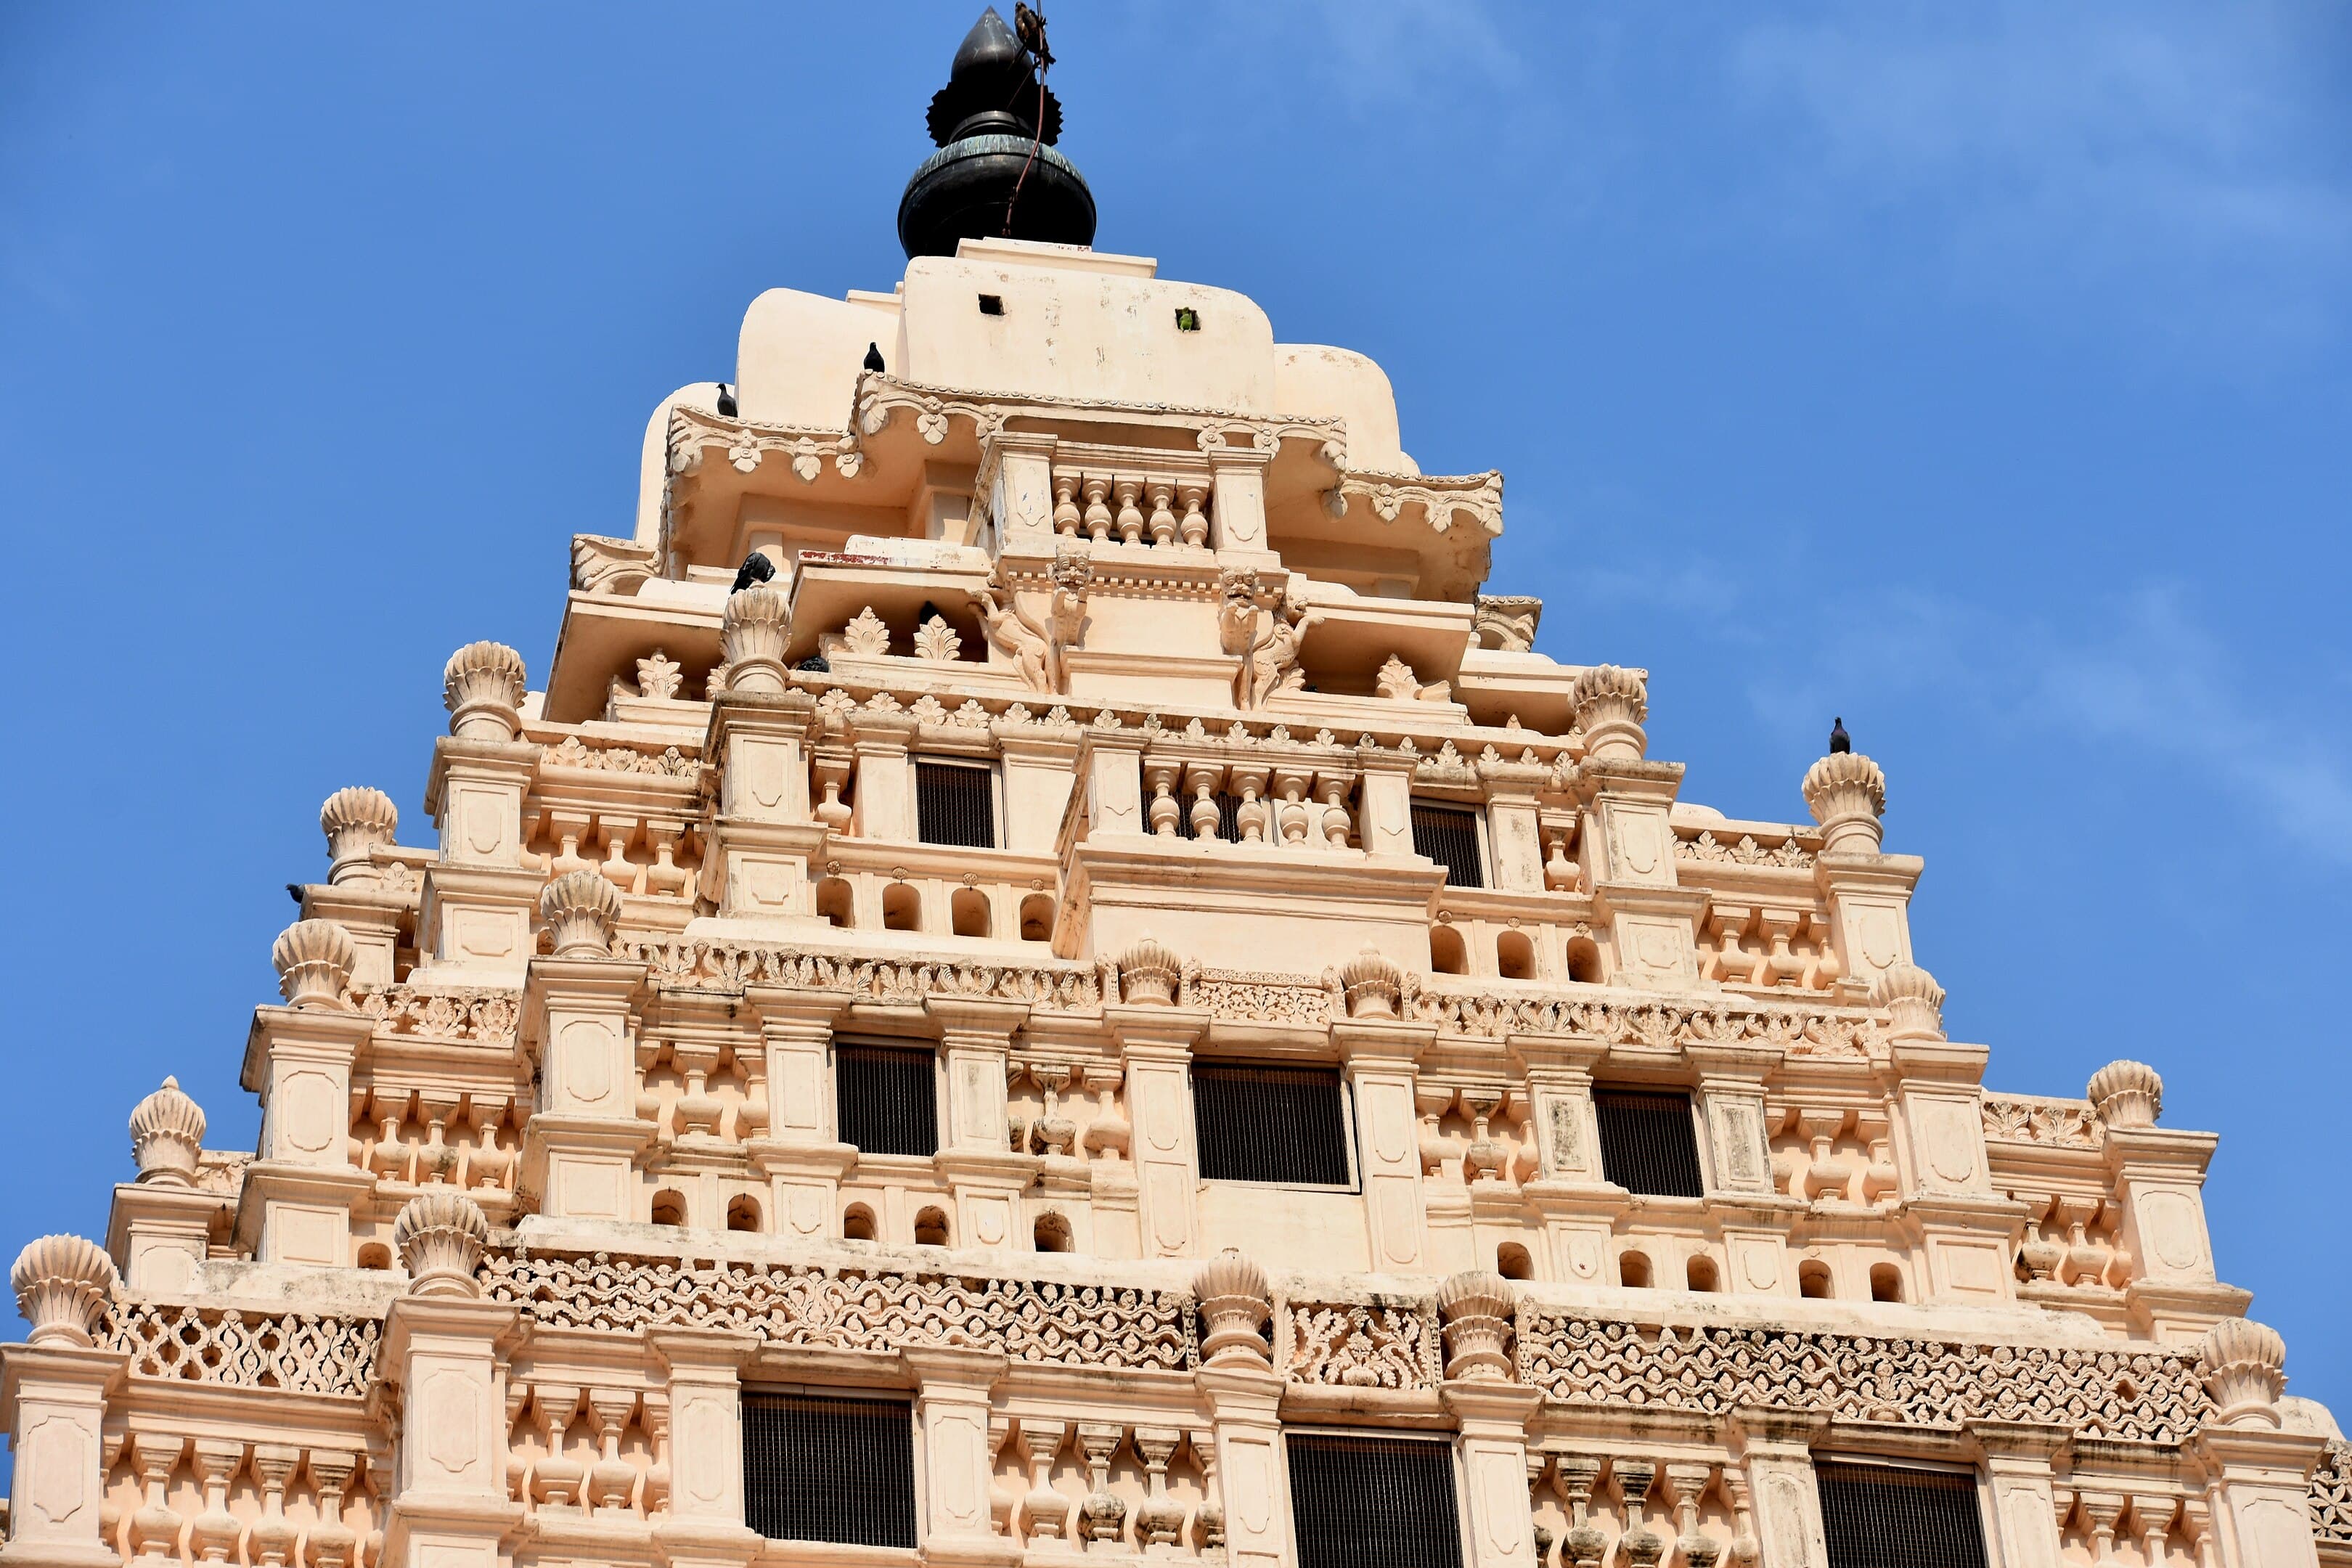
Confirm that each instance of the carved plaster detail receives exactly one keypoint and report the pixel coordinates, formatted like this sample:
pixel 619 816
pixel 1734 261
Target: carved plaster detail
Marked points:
pixel 167 1136
pixel 296 1352
pixel 573 752
pixel 1361 1344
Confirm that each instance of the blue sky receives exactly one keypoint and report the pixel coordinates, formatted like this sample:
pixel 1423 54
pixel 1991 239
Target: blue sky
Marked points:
pixel 1978 374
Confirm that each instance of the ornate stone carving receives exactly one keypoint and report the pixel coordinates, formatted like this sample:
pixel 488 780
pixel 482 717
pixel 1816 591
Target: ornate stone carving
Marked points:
pixel 660 676
pixel 1506 622
pixel 937 641
pixel 605 565
pixel 485 1015
pixel 2331 1497
pixel 1477 1307
pixel 440 1236
pixel 2022 1119
pixel 1369 1344
pixel 1441 497
pixel 2240 1360
pixel 314 960
pixel 167 1136
pixel 864 636
pixel 753 630
pixel 299 1353
pixel 732 966
pixel 573 752
pixel 482 686
pixel 1847 795
pixel 1097 1327
pixel 1148 974
pixel 63 1285
pixel 580 908
pixel 356 821
pixel 1017 638
pixel 2128 1093
pixel 1913 1000
pixel 1270 663
pixel 1371 986
pixel 1611 705
pixel 2145 1395
pixel 1234 1304
pixel 1706 848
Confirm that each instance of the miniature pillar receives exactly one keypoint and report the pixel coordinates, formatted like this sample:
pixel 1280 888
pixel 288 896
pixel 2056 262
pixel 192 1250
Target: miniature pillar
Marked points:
pixel 1039 768
pixel 1776 1451
pixel 581 1142
pixel 951 1409
pixel 758 863
pixel 1156 1041
pixel 706 1523
pixel 987 1176
pixel 1245 1399
pixel 1569 1190
pixel 886 777
pixel 2258 1466
pixel 1237 484
pixel 2017 1456
pixel 802 1156
pixel 1739 1165
pixel 1938 1096
pixel 301 1186
pixel 1513 829
pixel 56 1384
pixel 1022 497
pixel 1384 809
pixel 1381 1056
pixel 474 921
pixel 1110 773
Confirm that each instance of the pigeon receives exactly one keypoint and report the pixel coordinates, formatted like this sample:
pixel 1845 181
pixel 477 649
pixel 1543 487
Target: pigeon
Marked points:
pixel 726 401
pixel 756 568
pixel 874 358
pixel 815 664
pixel 1838 740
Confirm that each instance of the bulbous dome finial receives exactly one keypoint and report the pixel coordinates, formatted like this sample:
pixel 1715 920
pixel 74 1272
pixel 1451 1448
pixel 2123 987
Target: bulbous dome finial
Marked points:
pixel 997 173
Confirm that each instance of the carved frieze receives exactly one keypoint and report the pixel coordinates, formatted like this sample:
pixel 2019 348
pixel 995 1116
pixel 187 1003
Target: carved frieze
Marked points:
pixel 2145 1396
pixel 2059 1123
pixel 2331 1497
pixel 1707 850
pixel 732 966
pixel 1375 1344
pixel 1095 1326
pixel 667 764
pixel 486 1016
pixel 297 1353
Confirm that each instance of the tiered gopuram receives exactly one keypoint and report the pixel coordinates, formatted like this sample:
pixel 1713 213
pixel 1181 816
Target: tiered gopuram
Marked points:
pixel 1044 975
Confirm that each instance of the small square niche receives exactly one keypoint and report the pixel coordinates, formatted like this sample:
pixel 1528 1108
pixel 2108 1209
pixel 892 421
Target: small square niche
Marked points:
pixel 1188 318
pixel 992 304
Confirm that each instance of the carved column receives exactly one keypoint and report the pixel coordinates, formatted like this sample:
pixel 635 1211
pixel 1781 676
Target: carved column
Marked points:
pixel 1155 1042
pixel 1243 1394
pixel 1021 499
pixel 443 1345
pixel 988 1178
pixel 580 1146
pixel 1576 1199
pixel 1384 804
pixel 2017 1456
pixel 2257 1467
pixel 1493 1413
pixel 1110 775
pixel 1380 1055
pixel 1040 766
pixel 886 777
pixel 757 867
pixel 1237 485
pixel 1740 1167
pixel 1775 1449
pixel 705 1525
pixel 951 1410
pixel 2157 1176
pixel 162 1225
pixel 1514 832
pixel 802 1155
pixel 474 922
pixel 298 1196
pixel 357 822
pixel 1868 892
pixel 1969 1230
pixel 56 1384
pixel 1629 838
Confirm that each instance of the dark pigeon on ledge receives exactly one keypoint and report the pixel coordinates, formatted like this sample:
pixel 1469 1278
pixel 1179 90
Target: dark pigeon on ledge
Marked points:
pixel 756 568
pixel 1838 740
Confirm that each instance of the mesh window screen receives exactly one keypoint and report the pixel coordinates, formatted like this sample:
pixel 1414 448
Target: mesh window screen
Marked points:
pixel 1269 1124
pixel 1449 835
pixel 886 1099
pixel 1883 1516
pixel 1373 1502
pixel 824 1467
pixel 955 803
pixel 1648 1143
pixel 1229 826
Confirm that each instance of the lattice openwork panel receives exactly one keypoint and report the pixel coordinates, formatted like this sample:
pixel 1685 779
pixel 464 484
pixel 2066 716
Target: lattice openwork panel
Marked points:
pixel 1264 1123
pixel 1373 1502
pixel 300 1352
pixel 1649 1142
pixel 1890 1516
pixel 1449 835
pixel 829 1468
pixel 955 803
pixel 887 1098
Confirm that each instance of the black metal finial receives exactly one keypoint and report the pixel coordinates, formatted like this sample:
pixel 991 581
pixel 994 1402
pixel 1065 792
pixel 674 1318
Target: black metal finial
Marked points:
pixel 1838 740
pixel 995 124
pixel 756 568
pixel 874 358
pixel 726 400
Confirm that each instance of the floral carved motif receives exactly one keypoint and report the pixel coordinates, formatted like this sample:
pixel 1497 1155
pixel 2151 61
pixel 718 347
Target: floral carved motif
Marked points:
pixel 572 753
pixel 1743 851
pixel 2331 1497
pixel 1377 1345
pixel 298 1353
pixel 487 1016
pixel 1272 998
pixel 2061 1123
pixel 1029 1320
pixel 731 965
pixel 2152 1397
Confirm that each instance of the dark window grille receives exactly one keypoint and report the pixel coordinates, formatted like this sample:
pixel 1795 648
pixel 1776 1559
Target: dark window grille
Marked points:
pixel 955 803
pixel 886 1099
pixel 1228 825
pixel 1884 1516
pixel 1449 835
pixel 825 1468
pixel 1373 1502
pixel 1270 1123
pixel 1648 1143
